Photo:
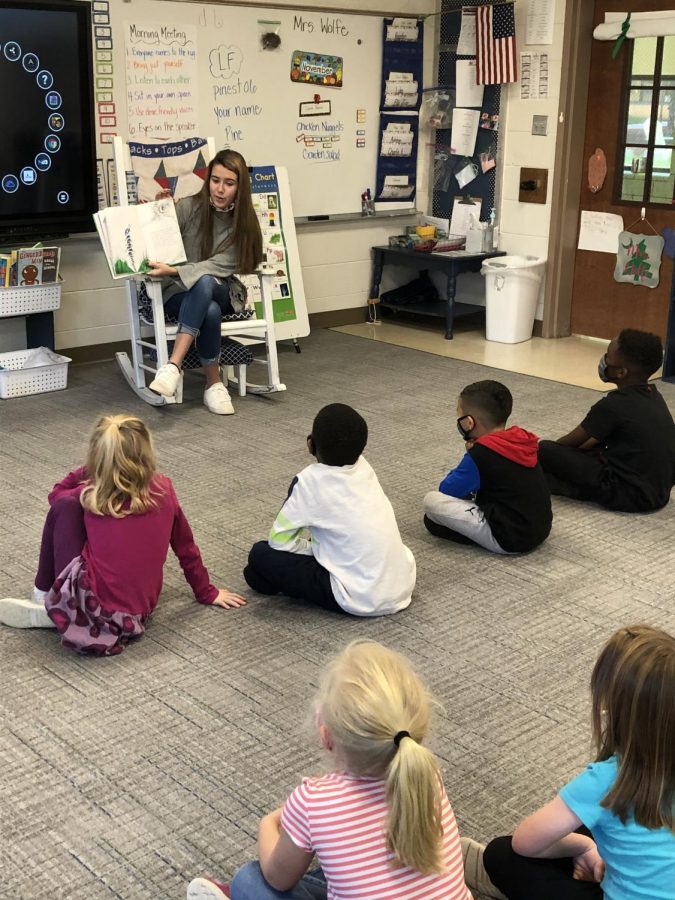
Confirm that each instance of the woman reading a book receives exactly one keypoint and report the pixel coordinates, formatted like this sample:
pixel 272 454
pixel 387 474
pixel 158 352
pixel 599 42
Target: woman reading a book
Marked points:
pixel 221 234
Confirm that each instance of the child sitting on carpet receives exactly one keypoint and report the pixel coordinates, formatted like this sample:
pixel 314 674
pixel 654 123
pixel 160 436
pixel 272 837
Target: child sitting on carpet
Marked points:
pixel 104 544
pixel 610 833
pixel 497 496
pixel 622 456
pixel 335 541
pixel 380 823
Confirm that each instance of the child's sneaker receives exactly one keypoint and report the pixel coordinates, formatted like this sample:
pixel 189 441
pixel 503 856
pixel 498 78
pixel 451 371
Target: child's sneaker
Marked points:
pixel 474 871
pixel 24 614
pixel 166 380
pixel 207 889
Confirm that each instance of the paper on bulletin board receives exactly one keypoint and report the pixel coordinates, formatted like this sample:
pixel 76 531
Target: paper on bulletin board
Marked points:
pixel 464 214
pixel 468 93
pixel 540 22
pixel 600 231
pixel 464 131
pixel 466 45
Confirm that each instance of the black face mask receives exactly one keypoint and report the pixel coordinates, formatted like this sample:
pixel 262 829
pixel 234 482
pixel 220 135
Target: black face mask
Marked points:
pixel 465 432
pixel 602 369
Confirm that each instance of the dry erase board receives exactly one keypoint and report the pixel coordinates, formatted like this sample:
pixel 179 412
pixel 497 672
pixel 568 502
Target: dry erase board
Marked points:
pixel 299 89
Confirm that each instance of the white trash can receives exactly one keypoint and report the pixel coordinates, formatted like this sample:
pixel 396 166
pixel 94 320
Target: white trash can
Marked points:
pixel 511 295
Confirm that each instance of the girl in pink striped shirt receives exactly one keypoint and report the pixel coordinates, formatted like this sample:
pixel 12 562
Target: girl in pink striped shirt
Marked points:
pixel 380 824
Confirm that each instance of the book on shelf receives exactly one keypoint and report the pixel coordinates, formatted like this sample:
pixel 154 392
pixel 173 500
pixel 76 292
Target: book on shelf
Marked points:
pixel 28 266
pixel 5 263
pixel 51 259
pixel 134 236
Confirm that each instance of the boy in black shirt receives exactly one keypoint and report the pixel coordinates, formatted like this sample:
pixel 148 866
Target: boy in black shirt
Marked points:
pixel 511 512
pixel 622 456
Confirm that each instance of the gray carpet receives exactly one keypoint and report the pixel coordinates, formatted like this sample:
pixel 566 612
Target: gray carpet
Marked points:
pixel 126 777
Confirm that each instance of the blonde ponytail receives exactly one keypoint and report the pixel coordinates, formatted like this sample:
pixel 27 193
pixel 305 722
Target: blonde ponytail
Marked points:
pixel 415 822
pixel 377 711
pixel 120 468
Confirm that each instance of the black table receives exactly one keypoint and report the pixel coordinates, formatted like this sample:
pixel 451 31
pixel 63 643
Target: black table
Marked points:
pixel 452 263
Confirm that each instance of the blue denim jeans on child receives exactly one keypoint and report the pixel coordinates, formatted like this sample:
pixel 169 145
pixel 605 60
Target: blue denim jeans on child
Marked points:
pixel 249 884
pixel 199 312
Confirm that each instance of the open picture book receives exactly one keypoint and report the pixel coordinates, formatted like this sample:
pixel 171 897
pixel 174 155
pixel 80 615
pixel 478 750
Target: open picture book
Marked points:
pixel 132 236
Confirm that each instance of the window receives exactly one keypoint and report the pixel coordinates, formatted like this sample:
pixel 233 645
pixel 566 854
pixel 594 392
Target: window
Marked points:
pixel 647 144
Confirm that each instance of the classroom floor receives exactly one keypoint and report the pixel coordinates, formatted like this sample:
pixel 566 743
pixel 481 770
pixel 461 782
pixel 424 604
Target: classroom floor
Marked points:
pixel 126 777
pixel 570 360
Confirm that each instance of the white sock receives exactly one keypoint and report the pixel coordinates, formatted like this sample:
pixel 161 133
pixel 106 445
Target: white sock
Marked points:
pixel 38 595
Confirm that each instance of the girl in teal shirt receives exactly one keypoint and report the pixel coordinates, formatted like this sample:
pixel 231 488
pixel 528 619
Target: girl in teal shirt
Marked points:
pixel 610 832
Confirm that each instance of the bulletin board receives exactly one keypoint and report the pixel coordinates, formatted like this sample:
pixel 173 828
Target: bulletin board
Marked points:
pixel 300 89
pixel 488 139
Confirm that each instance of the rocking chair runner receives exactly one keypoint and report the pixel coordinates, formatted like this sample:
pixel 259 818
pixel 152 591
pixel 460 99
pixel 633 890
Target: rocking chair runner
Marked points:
pixel 152 332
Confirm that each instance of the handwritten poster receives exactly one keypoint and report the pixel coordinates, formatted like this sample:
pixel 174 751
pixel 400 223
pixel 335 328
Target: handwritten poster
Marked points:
pixel 540 22
pixel 161 66
pixel 599 231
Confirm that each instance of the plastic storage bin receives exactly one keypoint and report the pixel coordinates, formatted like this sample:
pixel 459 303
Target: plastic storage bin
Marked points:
pixel 22 301
pixel 18 382
pixel 511 295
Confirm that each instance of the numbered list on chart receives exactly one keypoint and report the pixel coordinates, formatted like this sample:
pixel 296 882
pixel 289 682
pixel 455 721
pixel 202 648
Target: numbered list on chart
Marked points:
pixel 161 66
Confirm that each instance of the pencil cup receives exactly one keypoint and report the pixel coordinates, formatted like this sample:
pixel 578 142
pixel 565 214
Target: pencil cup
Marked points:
pixel 367 207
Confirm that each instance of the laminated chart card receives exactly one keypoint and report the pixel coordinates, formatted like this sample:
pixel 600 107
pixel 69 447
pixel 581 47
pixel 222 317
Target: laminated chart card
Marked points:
pixel 397 139
pixel 401 91
pixel 403 30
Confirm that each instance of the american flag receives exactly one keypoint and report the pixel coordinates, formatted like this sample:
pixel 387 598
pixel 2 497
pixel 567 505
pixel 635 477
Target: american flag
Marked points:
pixel 495 44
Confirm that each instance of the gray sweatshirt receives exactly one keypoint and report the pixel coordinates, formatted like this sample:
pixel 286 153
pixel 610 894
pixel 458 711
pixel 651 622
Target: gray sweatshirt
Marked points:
pixel 222 264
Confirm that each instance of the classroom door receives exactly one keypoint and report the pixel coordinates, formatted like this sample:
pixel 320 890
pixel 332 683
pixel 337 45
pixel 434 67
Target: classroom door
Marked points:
pixel 601 307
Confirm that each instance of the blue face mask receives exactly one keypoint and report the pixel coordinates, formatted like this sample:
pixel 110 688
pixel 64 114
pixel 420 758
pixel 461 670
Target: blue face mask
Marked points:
pixel 465 432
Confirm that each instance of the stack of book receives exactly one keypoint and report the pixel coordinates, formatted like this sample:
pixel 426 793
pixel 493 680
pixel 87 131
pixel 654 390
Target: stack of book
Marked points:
pixel 30 266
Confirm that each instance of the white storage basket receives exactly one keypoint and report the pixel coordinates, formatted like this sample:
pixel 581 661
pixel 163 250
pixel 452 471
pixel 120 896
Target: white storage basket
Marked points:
pixel 22 301
pixel 18 382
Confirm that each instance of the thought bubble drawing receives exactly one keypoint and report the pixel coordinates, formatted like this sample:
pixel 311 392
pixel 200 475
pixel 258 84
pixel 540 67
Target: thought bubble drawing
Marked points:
pixel 225 61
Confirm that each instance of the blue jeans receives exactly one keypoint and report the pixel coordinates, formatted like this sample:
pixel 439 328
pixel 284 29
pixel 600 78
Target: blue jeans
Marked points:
pixel 249 884
pixel 199 312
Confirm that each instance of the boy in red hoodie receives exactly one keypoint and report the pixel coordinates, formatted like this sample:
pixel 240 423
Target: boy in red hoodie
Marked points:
pixel 497 496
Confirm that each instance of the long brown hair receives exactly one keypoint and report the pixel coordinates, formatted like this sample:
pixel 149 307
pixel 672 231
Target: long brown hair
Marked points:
pixel 120 467
pixel 246 235
pixel 367 696
pixel 633 694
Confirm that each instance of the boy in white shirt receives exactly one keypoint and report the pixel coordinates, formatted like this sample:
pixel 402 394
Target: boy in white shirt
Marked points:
pixel 335 541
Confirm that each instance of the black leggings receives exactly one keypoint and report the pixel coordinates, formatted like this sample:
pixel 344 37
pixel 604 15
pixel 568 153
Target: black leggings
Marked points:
pixel 523 878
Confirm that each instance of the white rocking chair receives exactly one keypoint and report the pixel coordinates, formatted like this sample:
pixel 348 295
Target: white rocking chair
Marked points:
pixel 152 332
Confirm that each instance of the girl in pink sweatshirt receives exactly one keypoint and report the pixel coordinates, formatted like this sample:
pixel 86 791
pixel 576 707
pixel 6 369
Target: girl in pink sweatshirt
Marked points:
pixel 104 544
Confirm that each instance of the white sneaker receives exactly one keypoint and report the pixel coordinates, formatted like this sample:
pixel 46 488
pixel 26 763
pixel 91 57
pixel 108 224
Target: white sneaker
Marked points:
pixel 207 889
pixel 217 400
pixel 24 614
pixel 475 875
pixel 166 380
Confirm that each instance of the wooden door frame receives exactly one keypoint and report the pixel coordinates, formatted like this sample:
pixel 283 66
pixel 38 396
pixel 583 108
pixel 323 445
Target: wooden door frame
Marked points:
pixel 569 167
